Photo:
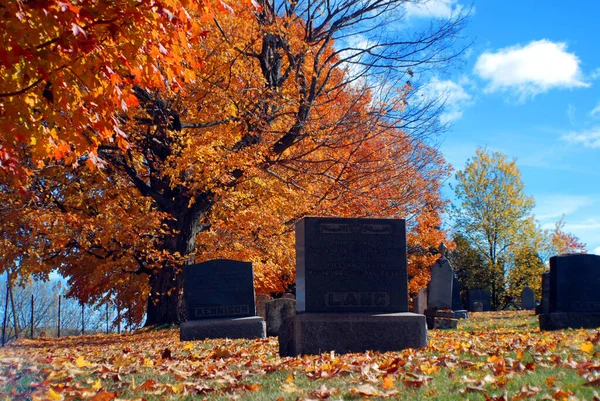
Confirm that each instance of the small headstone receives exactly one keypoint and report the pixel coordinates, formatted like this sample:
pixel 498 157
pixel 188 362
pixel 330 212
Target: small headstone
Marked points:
pixel 421 301
pixel 261 301
pixel 574 295
pixel 351 289
pixel 456 300
pixel 477 306
pixel 278 310
pixel 481 296
pixel 527 299
pixel 219 297
pixel 287 295
pixel 439 290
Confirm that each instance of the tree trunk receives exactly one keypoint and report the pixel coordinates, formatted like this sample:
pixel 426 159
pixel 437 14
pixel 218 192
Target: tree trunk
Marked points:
pixel 166 304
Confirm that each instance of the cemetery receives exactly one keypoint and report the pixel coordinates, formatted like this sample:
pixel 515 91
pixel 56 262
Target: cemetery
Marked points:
pixel 299 200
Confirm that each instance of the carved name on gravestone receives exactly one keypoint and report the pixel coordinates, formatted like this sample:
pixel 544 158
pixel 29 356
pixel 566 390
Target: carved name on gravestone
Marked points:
pixel 351 265
pixel 439 290
pixel 527 299
pixel 219 289
pixel 481 296
pixel 575 283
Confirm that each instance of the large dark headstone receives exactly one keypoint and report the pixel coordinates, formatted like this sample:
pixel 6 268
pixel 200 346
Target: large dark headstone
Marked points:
pixel 439 290
pixel 575 283
pixel 351 265
pixel 481 296
pixel 573 292
pixel 456 301
pixel 527 299
pixel 351 289
pixel 219 288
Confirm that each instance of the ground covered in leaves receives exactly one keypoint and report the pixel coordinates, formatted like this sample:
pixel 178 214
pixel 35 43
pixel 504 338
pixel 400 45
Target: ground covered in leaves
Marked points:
pixel 492 356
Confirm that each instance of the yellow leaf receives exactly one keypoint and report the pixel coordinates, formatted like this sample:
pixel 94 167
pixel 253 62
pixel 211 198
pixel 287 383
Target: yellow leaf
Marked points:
pixel 189 346
pixel 148 363
pixel 53 395
pixel 587 347
pixel 290 378
pixel 81 362
pixel 97 384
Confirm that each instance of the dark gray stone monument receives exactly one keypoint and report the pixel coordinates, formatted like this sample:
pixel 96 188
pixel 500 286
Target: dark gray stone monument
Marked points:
pixel 456 300
pixel 545 304
pixel 351 289
pixel 439 290
pixel 481 296
pixel 351 265
pixel 574 293
pixel 527 299
pixel 219 297
pixel 420 303
pixel 439 313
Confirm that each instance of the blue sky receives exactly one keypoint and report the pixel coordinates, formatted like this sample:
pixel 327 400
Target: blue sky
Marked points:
pixel 529 88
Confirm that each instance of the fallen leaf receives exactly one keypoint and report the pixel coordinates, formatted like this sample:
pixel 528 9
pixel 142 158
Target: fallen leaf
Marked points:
pixel 587 347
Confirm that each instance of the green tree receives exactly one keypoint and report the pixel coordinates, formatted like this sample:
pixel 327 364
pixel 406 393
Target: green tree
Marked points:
pixel 491 211
pixel 468 265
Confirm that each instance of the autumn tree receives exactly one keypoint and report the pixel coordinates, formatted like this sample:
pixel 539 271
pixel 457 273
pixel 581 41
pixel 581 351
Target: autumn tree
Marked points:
pixel 279 123
pixel 468 265
pixel 564 242
pixel 490 212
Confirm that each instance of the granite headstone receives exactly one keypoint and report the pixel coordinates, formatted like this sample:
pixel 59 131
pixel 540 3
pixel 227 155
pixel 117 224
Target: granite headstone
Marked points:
pixel 351 265
pixel 219 297
pixel 351 289
pixel 527 299
pixel 439 290
pixel 574 296
pixel 456 300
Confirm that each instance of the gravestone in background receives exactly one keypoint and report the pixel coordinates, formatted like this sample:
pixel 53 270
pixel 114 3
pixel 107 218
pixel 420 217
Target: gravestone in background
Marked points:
pixel 287 295
pixel 574 293
pixel 439 290
pixel 351 289
pixel 456 300
pixel 481 296
pixel 261 301
pixel 527 299
pixel 420 303
pixel 219 297
pixel 278 310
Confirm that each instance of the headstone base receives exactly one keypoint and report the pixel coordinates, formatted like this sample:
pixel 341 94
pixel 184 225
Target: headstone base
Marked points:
pixel 314 333
pixel 461 314
pixel 565 320
pixel 245 327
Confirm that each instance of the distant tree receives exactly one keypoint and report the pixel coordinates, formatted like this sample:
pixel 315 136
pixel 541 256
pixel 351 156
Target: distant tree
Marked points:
pixel 468 265
pixel 563 242
pixel 491 211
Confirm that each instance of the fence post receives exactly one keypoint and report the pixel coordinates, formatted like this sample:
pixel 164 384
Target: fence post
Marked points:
pixel 59 297
pixel 32 316
pixel 82 319
pixel 5 313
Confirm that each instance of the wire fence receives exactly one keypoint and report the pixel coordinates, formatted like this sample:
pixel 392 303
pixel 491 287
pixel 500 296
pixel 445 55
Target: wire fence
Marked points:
pixel 40 309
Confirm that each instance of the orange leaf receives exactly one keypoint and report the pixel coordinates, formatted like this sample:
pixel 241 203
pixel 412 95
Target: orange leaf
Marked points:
pixel 388 382
pixel 103 396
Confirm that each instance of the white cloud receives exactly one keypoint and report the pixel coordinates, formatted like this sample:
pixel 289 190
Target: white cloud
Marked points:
pixel 433 9
pixel 589 138
pixel 555 205
pixel 531 69
pixel 595 110
pixel 596 251
pixel 455 96
pixel 595 74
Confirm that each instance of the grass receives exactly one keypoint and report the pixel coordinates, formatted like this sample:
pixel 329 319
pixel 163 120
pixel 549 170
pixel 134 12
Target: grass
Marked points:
pixel 492 356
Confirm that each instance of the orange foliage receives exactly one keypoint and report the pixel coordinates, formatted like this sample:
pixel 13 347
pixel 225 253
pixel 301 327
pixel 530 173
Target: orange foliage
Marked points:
pixel 214 175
